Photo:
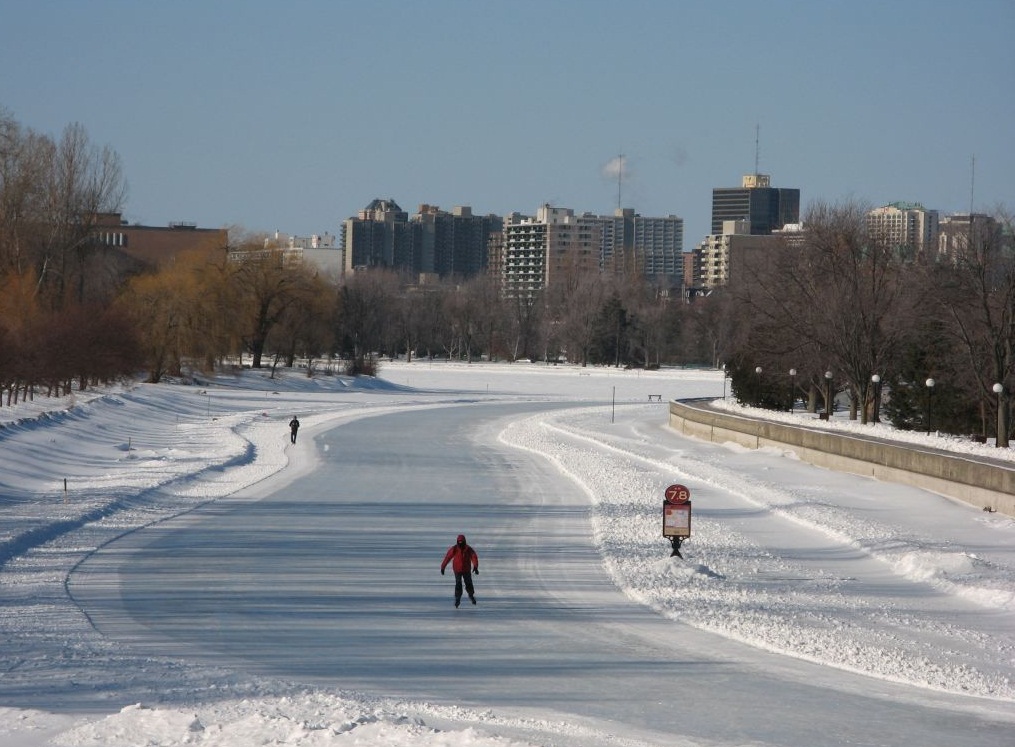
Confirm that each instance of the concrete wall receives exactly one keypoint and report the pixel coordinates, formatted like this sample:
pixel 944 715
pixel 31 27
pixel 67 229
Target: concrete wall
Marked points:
pixel 978 482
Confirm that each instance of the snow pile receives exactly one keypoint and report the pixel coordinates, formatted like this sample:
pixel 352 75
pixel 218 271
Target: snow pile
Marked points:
pixel 301 720
pixel 739 589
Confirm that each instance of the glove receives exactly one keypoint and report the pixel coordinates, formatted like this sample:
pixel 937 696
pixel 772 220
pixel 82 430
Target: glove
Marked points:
pixel 476 571
pixel 442 571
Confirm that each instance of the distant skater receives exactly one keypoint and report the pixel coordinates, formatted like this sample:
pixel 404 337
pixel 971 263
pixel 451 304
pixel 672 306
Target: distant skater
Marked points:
pixel 464 562
pixel 294 425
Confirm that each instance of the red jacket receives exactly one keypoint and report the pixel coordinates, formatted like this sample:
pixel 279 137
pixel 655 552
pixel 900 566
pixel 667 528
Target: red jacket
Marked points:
pixel 460 557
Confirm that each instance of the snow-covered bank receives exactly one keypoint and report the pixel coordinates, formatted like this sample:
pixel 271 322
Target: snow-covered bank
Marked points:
pixel 840 422
pixel 920 591
pixel 733 586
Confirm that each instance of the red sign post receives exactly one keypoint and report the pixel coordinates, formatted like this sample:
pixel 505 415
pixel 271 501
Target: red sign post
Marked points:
pixel 677 516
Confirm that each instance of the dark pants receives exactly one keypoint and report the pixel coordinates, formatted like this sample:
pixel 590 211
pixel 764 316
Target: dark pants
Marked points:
pixel 294 435
pixel 467 578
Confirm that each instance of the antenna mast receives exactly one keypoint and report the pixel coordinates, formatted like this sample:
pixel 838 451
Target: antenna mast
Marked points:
pixel 757 148
pixel 620 176
pixel 972 184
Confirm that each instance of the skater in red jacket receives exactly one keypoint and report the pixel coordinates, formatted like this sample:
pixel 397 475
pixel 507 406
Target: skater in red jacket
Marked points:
pixel 464 562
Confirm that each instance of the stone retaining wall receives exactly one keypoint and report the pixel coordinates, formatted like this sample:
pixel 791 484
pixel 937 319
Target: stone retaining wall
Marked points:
pixel 980 483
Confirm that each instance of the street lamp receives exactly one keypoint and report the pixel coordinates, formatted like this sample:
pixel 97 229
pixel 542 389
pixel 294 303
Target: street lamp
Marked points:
pixel 828 395
pixel 876 380
pixel 1002 416
pixel 757 383
pixel 792 389
pixel 723 382
pixel 930 391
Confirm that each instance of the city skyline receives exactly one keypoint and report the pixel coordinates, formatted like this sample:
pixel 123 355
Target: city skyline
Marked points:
pixel 294 118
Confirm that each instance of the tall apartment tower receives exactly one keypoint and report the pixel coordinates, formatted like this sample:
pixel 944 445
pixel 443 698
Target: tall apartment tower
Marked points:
pixel 379 236
pixel 905 225
pixel 432 242
pixel 454 244
pixel 764 207
pixel 540 251
pixel 652 247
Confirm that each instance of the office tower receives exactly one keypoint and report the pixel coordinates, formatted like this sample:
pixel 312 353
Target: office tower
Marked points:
pixel 764 207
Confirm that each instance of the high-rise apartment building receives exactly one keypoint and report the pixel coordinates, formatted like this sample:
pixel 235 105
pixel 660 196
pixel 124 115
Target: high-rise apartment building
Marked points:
pixel 652 247
pixel 454 244
pixel 765 208
pixel 908 226
pixel 379 236
pixel 523 257
pixel 431 242
pixel 660 243
pixel 521 250
pixel 540 251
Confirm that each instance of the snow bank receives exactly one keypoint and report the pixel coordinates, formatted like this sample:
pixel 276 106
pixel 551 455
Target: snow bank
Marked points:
pixel 742 590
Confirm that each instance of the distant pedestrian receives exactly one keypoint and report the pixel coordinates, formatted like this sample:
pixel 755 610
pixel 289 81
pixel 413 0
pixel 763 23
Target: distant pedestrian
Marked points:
pixel 294 425
pixel 464 562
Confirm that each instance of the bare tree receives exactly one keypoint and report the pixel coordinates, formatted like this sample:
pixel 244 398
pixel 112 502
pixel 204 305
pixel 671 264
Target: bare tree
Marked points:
pixel 425 319
pixel 835 300
pixel 489 317
pixel 24 165
pixel 158 305
pixel 22 324
pixel 364 309
pixel 976 305
pixel 574 306
pixel 93 344
pixel 267 286
pixel 83 181
pixel 655 327
pixel 525 314
pixel 305 326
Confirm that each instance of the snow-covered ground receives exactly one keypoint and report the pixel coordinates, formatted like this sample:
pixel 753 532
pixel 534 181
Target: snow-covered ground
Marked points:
pixel 922 592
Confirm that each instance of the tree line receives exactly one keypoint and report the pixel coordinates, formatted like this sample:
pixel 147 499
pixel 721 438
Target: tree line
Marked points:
pixel 257 305
pixel 916 336
pixel 840 300
pixel 56 322
pixel 74 311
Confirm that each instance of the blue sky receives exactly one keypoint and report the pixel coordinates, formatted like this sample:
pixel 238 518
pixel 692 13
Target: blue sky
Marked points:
pixel 293 116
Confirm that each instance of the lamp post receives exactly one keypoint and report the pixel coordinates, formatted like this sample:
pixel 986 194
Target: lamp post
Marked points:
pixel 723 382
pixel 792 389
pixel 876 414
pixel 1002 416
pixel 757 383
pixel 930 391
pixel 828 395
